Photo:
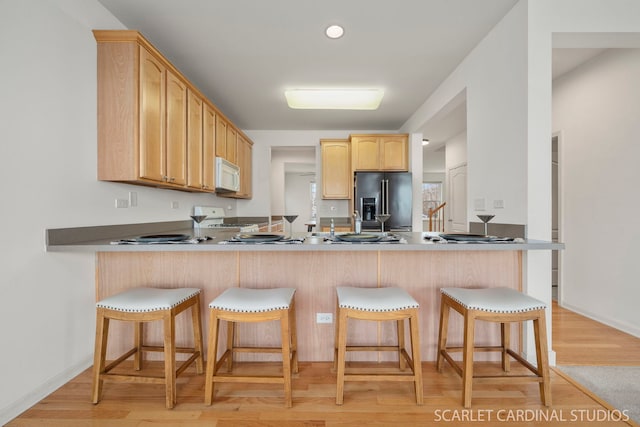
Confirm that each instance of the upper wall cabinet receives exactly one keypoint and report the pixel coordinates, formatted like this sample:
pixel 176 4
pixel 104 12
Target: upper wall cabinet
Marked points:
pixel 336 168
pixel 154 127
pixel 380 152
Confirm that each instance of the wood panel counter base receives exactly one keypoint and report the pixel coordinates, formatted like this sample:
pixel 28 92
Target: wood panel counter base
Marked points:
pixel 315 275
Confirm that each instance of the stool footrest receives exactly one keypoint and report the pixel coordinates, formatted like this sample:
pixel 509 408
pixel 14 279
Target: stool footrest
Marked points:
pixel 372 348
pixel 261 379
pixel 120 359
pixel 379 377
pixel 257 350
pixel 123 378
pixel 160 349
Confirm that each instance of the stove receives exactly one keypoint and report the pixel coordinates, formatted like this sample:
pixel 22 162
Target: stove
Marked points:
pixel 215 219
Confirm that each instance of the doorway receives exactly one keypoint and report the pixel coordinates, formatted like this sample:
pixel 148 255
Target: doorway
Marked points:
pixel 458 198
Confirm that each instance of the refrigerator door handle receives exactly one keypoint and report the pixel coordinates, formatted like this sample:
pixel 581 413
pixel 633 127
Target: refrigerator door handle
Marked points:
pixel 384 208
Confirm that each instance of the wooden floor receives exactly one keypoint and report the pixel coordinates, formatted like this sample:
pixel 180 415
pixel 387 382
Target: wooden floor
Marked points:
pixel 577 340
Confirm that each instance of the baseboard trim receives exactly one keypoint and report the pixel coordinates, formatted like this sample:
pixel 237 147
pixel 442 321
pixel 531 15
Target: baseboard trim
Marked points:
pixel 23 403
pixel 628 329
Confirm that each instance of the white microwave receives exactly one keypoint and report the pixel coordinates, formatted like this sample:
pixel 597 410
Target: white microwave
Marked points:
pixel 227 175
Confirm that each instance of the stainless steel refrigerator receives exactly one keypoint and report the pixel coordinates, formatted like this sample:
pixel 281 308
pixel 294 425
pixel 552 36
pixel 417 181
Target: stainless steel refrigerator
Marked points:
pixel 384 192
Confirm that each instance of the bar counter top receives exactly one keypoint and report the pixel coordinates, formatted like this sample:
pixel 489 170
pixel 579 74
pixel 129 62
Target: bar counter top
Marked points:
pixel 84 240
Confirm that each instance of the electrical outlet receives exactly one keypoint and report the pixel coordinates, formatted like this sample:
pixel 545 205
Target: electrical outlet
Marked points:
pixel 133 199
pixel 122 203
pixel 175 205
pixel 324 317
pixel 498 204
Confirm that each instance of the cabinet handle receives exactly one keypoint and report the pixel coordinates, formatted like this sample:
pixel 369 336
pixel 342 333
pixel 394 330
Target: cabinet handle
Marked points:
pixel 165 178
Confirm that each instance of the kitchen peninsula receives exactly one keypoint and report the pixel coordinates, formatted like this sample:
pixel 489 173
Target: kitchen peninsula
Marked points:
pixel 314 268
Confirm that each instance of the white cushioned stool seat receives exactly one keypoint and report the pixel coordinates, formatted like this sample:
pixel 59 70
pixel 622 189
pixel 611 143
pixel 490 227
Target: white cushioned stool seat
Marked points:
pixel 244 300
pixel 141 306
pixel 378 304
pixel 147 299
pixel 495 300
pixel 245 305
pixel 499 305
pixel 375 299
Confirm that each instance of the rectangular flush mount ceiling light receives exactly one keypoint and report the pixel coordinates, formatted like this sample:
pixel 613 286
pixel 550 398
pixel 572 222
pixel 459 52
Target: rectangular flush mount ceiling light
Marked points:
pixel 334 99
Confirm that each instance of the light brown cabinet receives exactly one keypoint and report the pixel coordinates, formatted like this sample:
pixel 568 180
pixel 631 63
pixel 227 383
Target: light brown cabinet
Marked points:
pixel 245 159
pixel 208 148
pixel 194 140
pixel 154 127
pixel 226 141
pixel 336 168
pixel 142 107
pixel 380 152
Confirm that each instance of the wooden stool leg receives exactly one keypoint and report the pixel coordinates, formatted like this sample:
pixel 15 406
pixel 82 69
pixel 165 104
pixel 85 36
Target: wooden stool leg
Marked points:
pixel 231 328
pixel 170 359
pixel 285 335
pixel 442 334
pixel 197 334
pixel 99 355
pixel 342 349
pixel 212 357
pixel 415 357
pixel 505 335
pixel 138 339
pixel 294 337
pixel 467 359
pixel 402 363
pixel 542 356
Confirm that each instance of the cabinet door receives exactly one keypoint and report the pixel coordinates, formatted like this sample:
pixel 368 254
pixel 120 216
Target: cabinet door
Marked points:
pixel 194 140
pixel 221 137
pixel 152 117
pixel 245 151
pixel 394 153
pixel 176 139
pixel 366 153
pixel 208 148
pixel 232 144
pixel 336 169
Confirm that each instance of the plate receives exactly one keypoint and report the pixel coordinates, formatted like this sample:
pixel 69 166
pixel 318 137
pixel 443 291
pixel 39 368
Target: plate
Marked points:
pixel 162 238
pixel 352 237
pixel 258 237
pixel 467 237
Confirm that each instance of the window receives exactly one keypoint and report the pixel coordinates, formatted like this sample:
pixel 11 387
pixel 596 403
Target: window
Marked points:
pixel 431 197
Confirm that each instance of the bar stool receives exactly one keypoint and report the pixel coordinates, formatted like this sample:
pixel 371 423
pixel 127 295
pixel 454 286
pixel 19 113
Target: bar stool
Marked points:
pixel 501 305
pixel 142 305
pixel 252 305
pixel 378 304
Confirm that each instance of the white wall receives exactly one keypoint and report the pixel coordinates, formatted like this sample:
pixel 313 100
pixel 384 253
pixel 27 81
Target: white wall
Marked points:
pixel 595 110
pixel 48 179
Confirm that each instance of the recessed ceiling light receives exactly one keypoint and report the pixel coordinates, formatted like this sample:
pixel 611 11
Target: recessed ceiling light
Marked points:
pixel 334 31
pixel 425 141
pixel 334 99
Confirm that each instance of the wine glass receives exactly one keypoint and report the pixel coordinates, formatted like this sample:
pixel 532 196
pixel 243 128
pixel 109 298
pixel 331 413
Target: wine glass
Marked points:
pixel 197 219
pixel 290 219
pixel 486 219
pixel 382 218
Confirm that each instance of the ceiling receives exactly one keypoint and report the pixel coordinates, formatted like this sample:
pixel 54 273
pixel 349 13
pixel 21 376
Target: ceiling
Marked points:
pixel 243 54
